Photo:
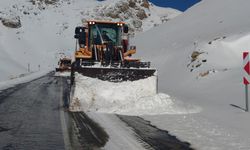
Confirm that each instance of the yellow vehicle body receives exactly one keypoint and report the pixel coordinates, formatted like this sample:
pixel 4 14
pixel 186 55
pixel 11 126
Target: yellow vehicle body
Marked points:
pixel 106 44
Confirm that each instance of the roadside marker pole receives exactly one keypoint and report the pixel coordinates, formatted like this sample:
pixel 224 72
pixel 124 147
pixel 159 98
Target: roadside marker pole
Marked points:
pixel 28 67
pixel 246 97
pixel 246 75
pixel 156 84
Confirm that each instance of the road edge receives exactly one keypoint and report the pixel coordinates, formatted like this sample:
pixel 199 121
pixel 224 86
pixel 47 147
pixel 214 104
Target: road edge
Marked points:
pixel 67 145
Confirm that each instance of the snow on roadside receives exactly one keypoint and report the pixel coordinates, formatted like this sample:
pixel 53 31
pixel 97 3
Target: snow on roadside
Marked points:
pixel 120 135
pixel 63 74
pixel 200 132
pixel 128 98
pixel 26 78
pixel 213 80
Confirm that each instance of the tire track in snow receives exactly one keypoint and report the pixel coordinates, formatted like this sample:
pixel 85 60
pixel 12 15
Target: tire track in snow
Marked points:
pixel 90 134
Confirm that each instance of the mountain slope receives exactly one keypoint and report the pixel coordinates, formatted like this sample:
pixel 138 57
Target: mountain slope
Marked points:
pixel 33 34
pixel 199 58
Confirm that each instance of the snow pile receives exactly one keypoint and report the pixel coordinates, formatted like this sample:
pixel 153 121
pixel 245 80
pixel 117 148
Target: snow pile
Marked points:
pixel 129 98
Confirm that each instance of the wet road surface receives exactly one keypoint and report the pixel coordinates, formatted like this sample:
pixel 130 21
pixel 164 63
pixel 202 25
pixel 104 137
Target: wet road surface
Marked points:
pixel 29 116
pixel 153 137
pixel 33 117
pixel 90 134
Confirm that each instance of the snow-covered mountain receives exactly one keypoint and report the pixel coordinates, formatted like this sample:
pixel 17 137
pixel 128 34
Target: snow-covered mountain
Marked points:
pixel 199 60
pixel 198 56
pixel 33 34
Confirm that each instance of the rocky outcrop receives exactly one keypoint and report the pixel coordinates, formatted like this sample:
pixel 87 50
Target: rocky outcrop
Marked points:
pixel 141 14
pixel 14 22
pixel 131 11
pixel 47 2
pixel 145 4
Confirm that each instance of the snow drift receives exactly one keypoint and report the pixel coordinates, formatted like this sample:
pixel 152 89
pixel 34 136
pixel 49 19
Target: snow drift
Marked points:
pixel 129 98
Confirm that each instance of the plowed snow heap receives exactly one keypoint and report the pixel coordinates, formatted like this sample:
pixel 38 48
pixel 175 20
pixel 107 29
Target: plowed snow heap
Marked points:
pixel 103 52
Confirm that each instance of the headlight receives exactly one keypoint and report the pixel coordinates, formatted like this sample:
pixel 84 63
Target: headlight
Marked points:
pixel 119 24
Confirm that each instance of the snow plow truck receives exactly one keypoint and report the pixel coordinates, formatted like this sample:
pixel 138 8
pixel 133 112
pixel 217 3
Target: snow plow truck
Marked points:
pixel 64 64
pixel 103 52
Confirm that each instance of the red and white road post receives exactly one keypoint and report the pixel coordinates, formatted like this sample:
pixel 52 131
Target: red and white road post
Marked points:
pixel 246 74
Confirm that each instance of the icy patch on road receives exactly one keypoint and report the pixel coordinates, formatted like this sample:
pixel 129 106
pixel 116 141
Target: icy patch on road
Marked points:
pixel 128 98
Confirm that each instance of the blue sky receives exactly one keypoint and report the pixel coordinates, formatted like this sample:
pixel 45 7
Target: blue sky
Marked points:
pixel 181 5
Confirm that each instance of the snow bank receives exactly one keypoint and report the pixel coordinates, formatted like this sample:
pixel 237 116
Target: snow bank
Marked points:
pixel 129 98
pixel 22 79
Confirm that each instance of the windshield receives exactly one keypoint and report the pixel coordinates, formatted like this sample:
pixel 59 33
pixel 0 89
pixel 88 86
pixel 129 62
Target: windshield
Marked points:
pixel 104 33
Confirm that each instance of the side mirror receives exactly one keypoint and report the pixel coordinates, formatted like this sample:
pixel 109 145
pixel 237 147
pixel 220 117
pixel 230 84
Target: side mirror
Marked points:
pixel 79 30
pixel 80 34
pixel 77 36
pixel 125 28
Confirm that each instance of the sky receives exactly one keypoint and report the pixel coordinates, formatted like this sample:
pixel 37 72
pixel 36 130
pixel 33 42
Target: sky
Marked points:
pixel 181 5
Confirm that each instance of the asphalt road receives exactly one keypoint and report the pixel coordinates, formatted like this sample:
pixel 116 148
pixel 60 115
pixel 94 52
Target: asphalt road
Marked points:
pixel 30 115
pixel 153 137
pixel 33 117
